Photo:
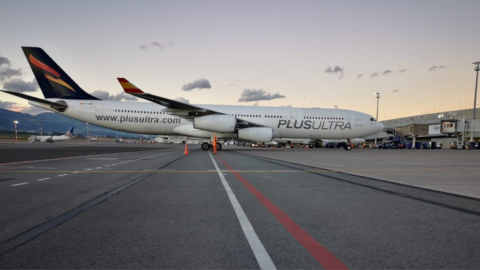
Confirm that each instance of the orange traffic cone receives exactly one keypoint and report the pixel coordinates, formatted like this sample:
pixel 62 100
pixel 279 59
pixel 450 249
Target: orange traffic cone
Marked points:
pixel 186 149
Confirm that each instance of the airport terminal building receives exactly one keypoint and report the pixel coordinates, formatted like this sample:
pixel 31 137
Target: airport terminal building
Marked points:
pixel 446 128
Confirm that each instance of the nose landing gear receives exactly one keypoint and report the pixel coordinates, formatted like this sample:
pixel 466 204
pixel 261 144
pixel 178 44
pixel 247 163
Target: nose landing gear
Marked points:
pixel 348 147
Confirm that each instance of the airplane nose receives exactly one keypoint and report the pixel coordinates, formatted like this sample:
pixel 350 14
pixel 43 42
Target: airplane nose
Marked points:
pixel 380 126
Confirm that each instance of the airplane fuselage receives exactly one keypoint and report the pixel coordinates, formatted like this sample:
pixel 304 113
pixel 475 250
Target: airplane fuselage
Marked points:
pixel 52 138
pixel 151 118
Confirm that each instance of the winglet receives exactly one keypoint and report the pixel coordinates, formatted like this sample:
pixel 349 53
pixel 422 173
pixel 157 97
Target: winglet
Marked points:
pixel 128 87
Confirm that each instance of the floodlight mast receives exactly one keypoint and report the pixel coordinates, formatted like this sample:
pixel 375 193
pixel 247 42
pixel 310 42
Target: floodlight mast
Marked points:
pixel 377 94
pixel 15 123
pixel 477 68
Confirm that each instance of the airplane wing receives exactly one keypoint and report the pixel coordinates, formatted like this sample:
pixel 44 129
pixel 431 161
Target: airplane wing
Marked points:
pixel 177 108
pixel 174 107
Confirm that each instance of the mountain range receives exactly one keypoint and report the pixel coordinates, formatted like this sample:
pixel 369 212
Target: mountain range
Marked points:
pixel 53 122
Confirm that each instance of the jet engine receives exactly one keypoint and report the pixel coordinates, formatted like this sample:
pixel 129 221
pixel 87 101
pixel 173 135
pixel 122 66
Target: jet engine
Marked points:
pixel 256 134
pixel 217 123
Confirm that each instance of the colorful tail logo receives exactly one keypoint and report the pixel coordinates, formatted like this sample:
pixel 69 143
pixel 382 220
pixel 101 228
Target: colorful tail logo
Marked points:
pixel 50 70
pixel 69 132
pixel 129 87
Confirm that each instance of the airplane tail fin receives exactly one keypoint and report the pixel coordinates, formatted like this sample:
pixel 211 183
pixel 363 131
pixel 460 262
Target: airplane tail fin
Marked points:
pixel 69 132
pixel 53 81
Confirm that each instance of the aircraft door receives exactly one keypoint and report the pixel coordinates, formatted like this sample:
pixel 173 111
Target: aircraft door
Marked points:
pixel 293 115
pixel 358 119
pixel 99 109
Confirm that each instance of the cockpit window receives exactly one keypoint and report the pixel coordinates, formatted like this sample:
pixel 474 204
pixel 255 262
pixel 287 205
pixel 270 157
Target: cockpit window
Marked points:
pixel 373 119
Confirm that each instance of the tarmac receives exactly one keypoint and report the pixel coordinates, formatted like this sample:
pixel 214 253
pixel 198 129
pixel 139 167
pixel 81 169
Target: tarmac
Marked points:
pixel 120 206
pixel 451 171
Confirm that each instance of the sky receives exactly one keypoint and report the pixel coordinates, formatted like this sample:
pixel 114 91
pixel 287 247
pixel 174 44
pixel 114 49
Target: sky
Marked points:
pixel 417 54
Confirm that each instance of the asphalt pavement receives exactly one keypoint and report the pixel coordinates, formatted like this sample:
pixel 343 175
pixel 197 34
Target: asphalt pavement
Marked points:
pixel 159 209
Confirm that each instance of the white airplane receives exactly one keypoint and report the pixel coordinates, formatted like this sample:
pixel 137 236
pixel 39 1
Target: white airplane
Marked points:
pixel 118 140
pixel 169 117
pixel 52 139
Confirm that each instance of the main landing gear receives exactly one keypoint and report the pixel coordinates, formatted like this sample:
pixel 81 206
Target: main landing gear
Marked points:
pixel 206 146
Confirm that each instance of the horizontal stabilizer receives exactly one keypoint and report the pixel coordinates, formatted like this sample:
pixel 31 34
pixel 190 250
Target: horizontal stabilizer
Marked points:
pixel 53 105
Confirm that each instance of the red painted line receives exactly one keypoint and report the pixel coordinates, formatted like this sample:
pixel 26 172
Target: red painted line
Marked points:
pixel 319 252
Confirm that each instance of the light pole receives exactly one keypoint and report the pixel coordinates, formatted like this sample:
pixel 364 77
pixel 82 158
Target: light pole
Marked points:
pixel 41 130
pixel 477 68
pixel 16 136
pixel 377 94
pixel 88 134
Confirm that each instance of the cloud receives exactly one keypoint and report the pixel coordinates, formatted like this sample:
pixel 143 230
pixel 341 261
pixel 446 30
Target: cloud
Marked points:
pixel 19 85
pixel 402 71
pixel 158 45
pixel 13 106
pixel 435 68
pixel 6 70
pixel 249 95
pixel 101 94
pixel 396 90
pixel 7 104
pixel 200 84
pixel 4 61
pixel 359 76
pixel 7 73
pixel 386 72
pixel 118 97
pixel 336 70
pixel 29 109
pixel 184 100
pixel 235 83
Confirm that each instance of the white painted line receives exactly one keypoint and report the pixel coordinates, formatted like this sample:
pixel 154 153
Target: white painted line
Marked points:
pixel 98 167
pixel 43 179
pixel 107 165
pixel 261 254
pixel 75 172
pixel 88 169
pixel 20 184
pixel 61 175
